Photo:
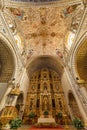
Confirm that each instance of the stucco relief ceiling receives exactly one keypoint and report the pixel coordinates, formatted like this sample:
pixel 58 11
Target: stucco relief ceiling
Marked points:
pixel 43 28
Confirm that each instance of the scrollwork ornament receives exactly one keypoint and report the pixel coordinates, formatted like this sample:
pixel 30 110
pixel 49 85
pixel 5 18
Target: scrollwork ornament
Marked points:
pixel 1 4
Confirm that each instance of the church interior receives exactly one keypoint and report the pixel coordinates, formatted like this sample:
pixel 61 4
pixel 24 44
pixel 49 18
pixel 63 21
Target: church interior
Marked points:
pixel 43 64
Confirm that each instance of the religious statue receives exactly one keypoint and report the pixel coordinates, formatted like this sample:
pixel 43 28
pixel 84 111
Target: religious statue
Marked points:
pixel 45 86
pixel 33 87
pixel 57 87
pixel 60 104
pixel 45 103
pixel 31 104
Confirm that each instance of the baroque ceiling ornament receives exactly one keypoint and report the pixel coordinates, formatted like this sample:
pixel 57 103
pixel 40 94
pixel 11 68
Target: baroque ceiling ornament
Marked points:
pixel 44 27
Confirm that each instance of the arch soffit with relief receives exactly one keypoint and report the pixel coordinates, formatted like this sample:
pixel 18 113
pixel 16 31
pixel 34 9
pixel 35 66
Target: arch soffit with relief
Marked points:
pixel 11 49
pixel 75 56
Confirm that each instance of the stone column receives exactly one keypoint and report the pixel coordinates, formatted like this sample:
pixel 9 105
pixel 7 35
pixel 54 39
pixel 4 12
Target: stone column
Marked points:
pixel 83 90
pixel 41 114
pixel 14 101
pixel 9 88
pixel 41 85
pixel 50 105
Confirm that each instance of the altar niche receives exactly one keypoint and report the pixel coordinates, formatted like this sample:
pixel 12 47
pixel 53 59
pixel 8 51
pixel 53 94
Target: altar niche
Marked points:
pixel 45 103
pixel 45 97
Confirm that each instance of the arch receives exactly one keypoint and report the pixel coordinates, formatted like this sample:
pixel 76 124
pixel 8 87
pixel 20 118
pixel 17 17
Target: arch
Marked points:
pixel 7 44
pixel 50 62
pixel 7 62
pixel 81 61
pixel 78 59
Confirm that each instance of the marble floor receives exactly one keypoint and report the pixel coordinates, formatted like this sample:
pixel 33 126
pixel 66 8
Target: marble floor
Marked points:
pixel 26 127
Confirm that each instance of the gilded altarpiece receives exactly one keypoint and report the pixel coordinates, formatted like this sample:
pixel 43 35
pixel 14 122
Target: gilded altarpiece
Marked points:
pixel 45 94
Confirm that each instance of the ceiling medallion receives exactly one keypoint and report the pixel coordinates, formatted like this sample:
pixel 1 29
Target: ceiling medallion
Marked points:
pixel 53 34
pixel 43 21
pixel 43 33
pixel 33 35
pixel 44 44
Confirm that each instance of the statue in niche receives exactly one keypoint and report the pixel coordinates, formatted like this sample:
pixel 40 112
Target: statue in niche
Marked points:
pixel 31 104
pixel 60 104
pixel 45 86
pixel 57 87
pixel 33 87
pixel 45 103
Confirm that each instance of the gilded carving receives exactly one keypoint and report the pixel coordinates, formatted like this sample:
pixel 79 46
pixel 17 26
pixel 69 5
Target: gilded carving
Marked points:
pixel 45 94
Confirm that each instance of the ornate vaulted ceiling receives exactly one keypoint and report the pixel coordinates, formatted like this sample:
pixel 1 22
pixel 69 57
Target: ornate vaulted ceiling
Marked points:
pixel 41 30
pixel 44 28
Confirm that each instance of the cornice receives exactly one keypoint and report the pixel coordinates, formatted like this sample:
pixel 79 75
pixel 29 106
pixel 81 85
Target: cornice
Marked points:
pixel 41 4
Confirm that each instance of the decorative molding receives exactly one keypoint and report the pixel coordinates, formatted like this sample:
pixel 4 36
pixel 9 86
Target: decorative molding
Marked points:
pixel 10 3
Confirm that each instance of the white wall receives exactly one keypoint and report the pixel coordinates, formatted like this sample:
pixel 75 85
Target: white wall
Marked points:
pixel 69 86
pixel 24 84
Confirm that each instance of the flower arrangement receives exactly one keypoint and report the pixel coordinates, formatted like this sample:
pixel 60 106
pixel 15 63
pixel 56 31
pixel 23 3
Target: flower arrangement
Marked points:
pixel 16 123
pixel 78 123
pixel 59 115
pixel 32 115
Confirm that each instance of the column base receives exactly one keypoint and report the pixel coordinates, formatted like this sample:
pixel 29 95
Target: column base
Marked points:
pixel 85 125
